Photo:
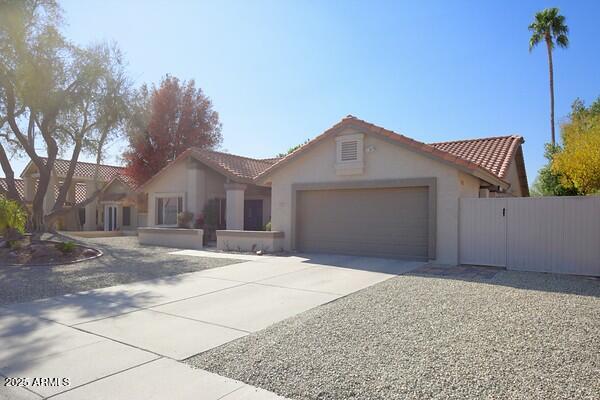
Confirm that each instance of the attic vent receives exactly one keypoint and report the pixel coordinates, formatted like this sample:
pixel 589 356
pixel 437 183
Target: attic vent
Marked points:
pixel 349 151
pixel 349 154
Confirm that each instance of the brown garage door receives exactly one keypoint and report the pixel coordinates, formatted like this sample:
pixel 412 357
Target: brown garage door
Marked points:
pixel 390 222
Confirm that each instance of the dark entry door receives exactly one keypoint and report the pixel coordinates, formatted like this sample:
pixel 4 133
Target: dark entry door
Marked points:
pixel 253 215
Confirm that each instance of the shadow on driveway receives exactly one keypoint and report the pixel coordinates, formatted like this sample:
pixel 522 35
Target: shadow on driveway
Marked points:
pixel 124 261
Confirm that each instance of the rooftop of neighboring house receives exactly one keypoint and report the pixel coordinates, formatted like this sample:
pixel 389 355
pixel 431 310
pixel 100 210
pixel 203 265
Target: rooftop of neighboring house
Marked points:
pixel 82 169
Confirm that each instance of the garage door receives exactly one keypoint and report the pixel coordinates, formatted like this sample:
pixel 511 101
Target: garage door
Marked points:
pixel 390 222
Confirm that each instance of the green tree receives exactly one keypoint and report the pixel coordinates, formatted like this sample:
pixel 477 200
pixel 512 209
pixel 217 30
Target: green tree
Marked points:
pixel 549 26
pixel 549 182
pixel 578 162
pixel 55 97
pixel 292 149
pixel 12 219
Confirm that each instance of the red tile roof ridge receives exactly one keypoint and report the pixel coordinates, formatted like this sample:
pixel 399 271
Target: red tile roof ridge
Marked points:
pixel 234 155
pixel 513 136
pixel 87 162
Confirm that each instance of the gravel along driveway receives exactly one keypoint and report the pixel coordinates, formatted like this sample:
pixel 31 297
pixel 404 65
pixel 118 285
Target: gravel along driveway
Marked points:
pixel 124 261
pixel 434 334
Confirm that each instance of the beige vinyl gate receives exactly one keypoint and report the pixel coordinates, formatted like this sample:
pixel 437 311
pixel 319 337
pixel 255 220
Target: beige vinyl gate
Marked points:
pixel 545 234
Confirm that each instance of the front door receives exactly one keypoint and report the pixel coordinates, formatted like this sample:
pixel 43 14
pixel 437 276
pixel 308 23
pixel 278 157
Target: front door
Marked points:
pixel 253 215
pixel 110 218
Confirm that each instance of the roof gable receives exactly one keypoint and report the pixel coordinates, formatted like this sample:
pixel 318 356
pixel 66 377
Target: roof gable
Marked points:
pixel 237 168
pixel 396 138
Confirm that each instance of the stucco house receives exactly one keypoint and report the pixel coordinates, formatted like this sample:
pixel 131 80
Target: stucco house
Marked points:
pixel 357 188
pixel 116 208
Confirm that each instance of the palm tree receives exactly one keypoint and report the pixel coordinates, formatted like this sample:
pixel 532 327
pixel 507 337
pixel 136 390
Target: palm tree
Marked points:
pixel 549 26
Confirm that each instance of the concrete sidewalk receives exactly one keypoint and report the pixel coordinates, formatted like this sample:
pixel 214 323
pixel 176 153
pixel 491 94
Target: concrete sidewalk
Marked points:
pixel 123 341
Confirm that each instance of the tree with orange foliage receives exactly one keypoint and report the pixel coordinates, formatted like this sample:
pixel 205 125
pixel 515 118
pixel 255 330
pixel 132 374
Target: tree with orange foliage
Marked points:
pixel 165 121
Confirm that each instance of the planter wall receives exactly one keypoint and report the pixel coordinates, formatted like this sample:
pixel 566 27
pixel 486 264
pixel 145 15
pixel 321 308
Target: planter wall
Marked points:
pixel 233 240
pixel 172 237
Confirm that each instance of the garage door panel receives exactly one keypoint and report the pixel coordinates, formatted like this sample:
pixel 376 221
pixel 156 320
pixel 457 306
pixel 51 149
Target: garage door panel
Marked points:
pixel 381 222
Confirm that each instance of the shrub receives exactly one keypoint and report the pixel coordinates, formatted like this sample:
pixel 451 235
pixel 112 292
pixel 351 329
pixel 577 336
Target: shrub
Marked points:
pixel 268 226
pixel 65 247
pixel 199 222
pixel 12 219
pixel 184 219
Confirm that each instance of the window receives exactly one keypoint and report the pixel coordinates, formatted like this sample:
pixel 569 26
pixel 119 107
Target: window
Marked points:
pixel 127 216
pixel 167 209
pixel 349 154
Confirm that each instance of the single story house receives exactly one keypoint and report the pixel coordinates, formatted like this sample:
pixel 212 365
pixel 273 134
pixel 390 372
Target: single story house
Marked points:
pixel 357 188
pixel 116 207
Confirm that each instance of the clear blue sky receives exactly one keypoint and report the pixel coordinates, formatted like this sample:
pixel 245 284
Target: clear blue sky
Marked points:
pixel 280 72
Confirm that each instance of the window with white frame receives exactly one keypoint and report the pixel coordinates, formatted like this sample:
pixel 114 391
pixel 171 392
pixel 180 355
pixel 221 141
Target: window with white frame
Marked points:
pixel 349 154
pixel 167 208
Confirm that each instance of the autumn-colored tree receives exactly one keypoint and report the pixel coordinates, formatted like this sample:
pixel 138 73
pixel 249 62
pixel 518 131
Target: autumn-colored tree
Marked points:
pixel 579 159
pixel 165 121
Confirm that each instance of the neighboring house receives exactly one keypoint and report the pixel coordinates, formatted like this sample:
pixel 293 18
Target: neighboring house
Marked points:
pixel 198 176
pixel 356 189
pixel 114 209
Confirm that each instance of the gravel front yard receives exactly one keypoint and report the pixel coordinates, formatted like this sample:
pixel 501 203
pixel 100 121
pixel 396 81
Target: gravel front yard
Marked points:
pixel 124 261
pixel 434 335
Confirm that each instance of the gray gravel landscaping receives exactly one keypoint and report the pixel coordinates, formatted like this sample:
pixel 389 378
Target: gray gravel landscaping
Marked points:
pixel 124 261
pixel 433 334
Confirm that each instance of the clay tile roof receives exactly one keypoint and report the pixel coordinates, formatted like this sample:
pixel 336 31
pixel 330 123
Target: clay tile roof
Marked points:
pixel 80 192
pixel 19 183
pixel 239 167
pixel 87 170
pixel 494 153
pixel 437 150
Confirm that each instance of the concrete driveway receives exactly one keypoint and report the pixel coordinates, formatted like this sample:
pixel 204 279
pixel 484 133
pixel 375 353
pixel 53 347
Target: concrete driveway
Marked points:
pixel 124 342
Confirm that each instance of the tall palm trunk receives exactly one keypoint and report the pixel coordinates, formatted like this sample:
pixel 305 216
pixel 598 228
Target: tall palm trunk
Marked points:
pixel 549 46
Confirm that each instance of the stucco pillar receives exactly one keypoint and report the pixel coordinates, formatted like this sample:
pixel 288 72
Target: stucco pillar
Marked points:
pixel 234 210
pixel 195 188
pixel 90 209
pixel 120 217
pixel 29 190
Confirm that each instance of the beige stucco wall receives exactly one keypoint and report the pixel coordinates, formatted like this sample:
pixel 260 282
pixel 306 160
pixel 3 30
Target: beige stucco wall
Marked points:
pixel 116 187
pixel 512 176
pixel 173 180
pixel 387 161
pixel 198 184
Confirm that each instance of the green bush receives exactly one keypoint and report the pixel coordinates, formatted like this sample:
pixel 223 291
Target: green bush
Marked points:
pixel 268 226
pixel 12 219
pixel 184 219
pixel 65 247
